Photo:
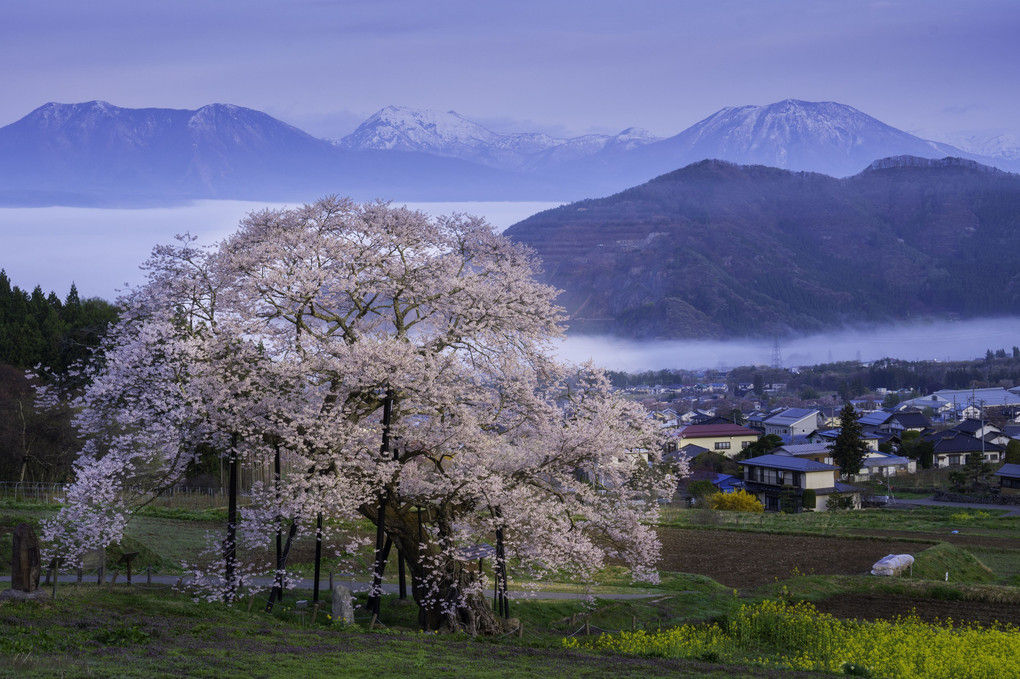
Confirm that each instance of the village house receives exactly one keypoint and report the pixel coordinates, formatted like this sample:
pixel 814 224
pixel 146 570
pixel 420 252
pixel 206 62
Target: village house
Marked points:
pixel 829 437
pixel 727 439
pixel 952 447
pixel 793 422
pixel 779 482
pixel 1009 479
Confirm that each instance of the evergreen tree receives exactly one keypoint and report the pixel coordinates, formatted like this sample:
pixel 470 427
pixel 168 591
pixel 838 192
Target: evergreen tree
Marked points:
pixel 849 449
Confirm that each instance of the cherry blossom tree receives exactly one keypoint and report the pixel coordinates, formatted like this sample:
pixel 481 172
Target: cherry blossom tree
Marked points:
pixel 402 364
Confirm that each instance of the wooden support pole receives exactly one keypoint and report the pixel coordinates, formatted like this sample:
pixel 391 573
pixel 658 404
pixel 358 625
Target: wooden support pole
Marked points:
pixel 279 521
pixel 230 543
pixel 276 594
pixel 318 561
pixel 380 526
pixel 401 576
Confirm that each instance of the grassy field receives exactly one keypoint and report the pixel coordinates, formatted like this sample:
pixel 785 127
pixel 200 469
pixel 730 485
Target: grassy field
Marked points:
pixel 91 631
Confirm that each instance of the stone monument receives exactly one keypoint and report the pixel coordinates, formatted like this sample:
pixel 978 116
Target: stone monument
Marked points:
pixel 343 605
pixel 26 565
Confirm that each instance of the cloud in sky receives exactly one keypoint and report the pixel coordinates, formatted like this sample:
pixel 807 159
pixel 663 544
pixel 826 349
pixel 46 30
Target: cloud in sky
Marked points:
pixel 601 65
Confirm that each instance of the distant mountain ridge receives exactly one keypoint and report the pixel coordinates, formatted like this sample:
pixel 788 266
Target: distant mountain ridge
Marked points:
pixel 824 137
pixel 397 128
pixel 94 153
pixel 717 250
pixel 98 154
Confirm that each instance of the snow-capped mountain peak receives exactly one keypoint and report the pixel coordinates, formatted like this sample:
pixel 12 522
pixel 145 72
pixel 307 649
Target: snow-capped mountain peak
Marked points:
pixel 826 136
pixel 397 128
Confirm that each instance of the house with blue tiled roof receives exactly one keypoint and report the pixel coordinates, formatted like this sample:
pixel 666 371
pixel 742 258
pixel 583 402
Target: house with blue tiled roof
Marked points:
pixel 779 482
pixel 1009 479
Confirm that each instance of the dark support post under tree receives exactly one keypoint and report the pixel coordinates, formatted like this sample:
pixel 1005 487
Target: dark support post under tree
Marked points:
pixel 401 575
pixel 502 603
pixel 380 529
pixel 230 544
pixel 279 518
pixel 276 594
pixel 318 557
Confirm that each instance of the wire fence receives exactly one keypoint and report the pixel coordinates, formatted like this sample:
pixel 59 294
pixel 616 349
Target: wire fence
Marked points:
pixel 178 497
pixel 45 493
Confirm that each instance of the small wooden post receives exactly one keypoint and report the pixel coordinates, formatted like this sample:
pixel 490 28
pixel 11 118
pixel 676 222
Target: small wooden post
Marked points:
pixel 633 623
pixel 126 559
pixel 148 574
pixel 401 576
pixel 315 612
pixel 55 565
pixel 251 601
pixel 113 580
pixel 587 627
pixel 318 559
pixel 520 631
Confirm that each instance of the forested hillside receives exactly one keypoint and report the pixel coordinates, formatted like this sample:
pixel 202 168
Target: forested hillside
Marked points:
pixel 720 250
pixel 41 330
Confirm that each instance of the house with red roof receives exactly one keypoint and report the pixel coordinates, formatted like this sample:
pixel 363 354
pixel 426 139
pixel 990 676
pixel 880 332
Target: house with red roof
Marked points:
pixel 726 439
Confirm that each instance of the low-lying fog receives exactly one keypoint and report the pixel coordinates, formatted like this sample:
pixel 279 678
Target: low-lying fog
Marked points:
pixel 931 340
pixel 100 250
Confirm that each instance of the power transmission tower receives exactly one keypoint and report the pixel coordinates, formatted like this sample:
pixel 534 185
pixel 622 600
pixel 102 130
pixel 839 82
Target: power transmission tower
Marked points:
pixel 777 357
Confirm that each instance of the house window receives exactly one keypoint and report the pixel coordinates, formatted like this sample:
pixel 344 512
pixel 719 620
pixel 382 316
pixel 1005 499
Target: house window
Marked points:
pixel 722 445
pixel 954 460
pixel 744 444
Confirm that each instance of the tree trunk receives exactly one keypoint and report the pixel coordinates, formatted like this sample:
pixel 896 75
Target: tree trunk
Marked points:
pixel 443 605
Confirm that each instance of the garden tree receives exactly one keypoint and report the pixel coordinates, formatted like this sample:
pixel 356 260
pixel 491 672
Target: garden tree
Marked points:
pixel 1012 455
pixel 759 385
pixel 400 365
pixel 849 449
pixel 701 489
pixel 917 448
pixel 972 475
pixel 762 446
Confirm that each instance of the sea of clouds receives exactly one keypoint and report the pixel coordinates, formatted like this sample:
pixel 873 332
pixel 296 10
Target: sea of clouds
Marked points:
pixel 100 250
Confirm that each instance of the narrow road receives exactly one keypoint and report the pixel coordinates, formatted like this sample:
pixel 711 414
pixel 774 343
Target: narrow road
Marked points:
pixel 141 581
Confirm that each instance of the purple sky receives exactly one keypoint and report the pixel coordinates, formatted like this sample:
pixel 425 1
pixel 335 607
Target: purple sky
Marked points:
pixel 937 68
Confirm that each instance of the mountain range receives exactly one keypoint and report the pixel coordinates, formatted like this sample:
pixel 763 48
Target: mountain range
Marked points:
pixel 94 153
pixel 718 250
